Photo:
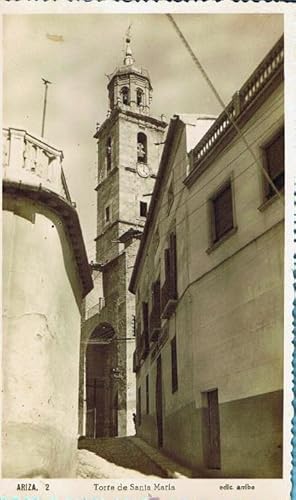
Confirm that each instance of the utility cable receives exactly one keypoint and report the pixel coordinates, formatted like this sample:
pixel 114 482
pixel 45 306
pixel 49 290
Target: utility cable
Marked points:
pixel 215 92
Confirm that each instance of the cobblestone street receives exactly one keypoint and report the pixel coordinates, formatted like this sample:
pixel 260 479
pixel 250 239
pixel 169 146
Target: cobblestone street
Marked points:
pixel 123 458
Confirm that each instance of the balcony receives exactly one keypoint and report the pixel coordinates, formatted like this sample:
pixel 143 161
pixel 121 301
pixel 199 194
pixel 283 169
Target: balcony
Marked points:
pixel 32 161
pixel 155 322
pixel 168 298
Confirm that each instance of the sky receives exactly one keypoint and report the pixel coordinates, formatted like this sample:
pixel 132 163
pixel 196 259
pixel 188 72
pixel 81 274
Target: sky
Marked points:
pixel 77 51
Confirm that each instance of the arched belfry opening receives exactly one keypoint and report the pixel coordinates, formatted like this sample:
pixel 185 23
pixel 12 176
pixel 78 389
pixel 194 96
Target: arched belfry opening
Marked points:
pixel 140 97
pixel 100 383
pixel 141 148
pixel 125 97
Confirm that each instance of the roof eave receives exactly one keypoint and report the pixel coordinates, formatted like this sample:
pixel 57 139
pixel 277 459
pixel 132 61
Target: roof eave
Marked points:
pixel 173 126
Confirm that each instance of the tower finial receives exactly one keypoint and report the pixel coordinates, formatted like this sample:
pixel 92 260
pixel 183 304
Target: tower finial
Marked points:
pixel 128 60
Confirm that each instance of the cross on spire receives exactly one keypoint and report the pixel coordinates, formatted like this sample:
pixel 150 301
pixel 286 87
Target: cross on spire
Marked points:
pixel 128 60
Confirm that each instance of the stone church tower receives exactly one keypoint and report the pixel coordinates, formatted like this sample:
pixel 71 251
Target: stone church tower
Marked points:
pixel 129 144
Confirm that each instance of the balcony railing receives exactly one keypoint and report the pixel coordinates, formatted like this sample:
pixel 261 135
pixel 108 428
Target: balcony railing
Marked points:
pixel 30 160
pixel 168 298
pixel 255 85
pixel 154 322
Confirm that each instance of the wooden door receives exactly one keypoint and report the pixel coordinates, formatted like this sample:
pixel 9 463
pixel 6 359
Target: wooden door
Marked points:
pixel 214 460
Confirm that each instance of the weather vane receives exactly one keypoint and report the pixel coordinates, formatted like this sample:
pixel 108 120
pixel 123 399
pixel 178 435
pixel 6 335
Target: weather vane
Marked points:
pixel 128 33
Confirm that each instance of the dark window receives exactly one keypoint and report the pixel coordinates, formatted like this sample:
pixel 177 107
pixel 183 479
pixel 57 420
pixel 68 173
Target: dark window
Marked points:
pixel 139 406
pixel 134 325
pixel 174 364
pixel 274 153
pixel 143 209
pixel 145 319
pixel 107 214
pixel 125 95
pixel 222 212
pixel 173 262
pixel 155 319
pixel 141 148
pixel 139 97
pixel 147 394
pixel 109 154
pixel 145 315
pixel 169 292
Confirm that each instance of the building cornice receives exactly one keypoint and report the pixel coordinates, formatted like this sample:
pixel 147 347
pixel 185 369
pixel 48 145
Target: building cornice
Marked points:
pixel 125 71
pixel 119 221
pixel 68 215
pixel 118 112
pixel 251 96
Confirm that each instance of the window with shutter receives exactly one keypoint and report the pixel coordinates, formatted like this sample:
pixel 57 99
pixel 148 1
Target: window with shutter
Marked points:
pixel 145 315
pixel 155 321
pixel 139 407
pixel 173 264
pixel 274 153
pixel 145 332
pixel 167 263
pixel 147 394
pixel 156 294
pixel 174 364
pixel 222 211
pixel 169 289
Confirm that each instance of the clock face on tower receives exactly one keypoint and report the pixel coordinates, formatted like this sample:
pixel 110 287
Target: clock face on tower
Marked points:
pixel 143 170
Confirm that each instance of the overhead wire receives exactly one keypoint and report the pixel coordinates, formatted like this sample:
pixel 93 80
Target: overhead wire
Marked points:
pixel 220 100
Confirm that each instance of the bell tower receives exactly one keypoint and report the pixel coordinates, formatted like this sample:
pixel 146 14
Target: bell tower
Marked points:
pixel 129 146
pixel 130 87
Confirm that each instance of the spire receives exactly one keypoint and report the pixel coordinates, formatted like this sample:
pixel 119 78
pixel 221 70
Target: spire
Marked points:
pixel 128 60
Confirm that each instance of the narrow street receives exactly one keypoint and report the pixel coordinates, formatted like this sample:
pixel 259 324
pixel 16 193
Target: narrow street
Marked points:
pixel 123 458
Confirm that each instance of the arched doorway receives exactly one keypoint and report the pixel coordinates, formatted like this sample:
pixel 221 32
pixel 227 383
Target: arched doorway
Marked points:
pixel 101 389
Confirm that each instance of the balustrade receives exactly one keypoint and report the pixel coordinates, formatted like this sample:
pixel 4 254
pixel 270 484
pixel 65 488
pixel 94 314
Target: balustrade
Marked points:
pixel 28 159
pixel 242 99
